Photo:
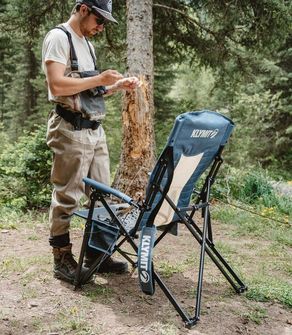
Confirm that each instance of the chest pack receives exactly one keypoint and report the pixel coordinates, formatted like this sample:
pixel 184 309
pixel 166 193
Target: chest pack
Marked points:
pixel 90 103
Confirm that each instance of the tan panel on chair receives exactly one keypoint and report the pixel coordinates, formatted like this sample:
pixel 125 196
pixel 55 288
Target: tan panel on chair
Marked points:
pixel 182 173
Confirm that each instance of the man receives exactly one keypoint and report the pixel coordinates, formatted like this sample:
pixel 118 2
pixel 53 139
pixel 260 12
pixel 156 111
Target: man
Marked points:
pixel 76 137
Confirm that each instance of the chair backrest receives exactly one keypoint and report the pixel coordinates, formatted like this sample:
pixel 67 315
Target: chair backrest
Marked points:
pixel 194 142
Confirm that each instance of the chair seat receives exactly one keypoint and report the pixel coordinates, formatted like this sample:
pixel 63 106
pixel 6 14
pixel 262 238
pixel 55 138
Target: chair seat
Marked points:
pixel 100 213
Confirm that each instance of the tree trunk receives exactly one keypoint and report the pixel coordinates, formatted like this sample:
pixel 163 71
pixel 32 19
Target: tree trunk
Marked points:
pixel 138 144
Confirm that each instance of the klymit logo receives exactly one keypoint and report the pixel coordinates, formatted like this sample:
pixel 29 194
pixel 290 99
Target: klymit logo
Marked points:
pixel 145 250
pixel 144 277
pixel 204 133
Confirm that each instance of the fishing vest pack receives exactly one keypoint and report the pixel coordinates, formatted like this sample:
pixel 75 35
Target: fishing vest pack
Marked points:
pixel 88 104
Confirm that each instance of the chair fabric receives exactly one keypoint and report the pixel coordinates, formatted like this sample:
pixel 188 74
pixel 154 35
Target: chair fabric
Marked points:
pixel 195 140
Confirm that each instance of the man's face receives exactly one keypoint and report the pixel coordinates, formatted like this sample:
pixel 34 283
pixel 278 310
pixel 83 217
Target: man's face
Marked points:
pixel 90 24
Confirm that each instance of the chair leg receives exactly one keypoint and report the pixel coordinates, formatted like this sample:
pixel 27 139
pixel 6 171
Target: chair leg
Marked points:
pixel 78 280
pixel 218 259
pixel 206 227
pixel 201 268
pixel 184 315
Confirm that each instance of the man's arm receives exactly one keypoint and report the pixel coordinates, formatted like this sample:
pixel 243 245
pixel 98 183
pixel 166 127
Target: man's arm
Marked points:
pixel 60 85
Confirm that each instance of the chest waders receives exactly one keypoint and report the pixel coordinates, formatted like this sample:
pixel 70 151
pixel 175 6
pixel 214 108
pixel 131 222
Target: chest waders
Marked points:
pixel 90 100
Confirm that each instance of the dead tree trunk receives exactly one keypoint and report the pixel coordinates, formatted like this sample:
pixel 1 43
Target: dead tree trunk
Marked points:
pixel 138 144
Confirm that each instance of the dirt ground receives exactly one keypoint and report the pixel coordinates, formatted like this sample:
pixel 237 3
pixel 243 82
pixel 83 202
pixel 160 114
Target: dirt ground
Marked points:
pixel 33 302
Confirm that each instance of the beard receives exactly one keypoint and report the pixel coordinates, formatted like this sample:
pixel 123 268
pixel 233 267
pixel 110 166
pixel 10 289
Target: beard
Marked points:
pixel 84 28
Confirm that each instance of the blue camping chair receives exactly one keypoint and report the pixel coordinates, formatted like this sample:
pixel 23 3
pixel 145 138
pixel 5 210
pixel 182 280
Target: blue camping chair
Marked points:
pixel 194 146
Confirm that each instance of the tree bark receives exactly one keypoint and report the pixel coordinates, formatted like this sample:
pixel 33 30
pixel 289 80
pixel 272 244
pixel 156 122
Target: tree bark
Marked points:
pixel 138 144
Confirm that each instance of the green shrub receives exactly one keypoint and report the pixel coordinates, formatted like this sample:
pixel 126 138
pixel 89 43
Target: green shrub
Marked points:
pixel 25 171
pixel 255 186
pixel 251 186
pixel 3 138
pixel 267 289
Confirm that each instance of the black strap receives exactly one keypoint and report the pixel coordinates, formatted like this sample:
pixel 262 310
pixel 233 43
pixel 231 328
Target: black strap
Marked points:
pixel 92 54
pixel 76 119
pixel 73 56
pixel 145 265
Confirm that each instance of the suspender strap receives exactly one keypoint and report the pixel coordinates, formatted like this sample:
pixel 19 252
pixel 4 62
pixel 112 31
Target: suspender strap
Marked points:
pixel 92 54
pixel 73 56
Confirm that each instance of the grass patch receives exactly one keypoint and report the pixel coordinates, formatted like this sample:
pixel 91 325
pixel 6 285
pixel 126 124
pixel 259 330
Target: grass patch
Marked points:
pixel 20 265
pixel 94 293
pixel 167 269
pixel 77 222
pixel 37 323
pixel 8 226
pixel 288 267
pixel 256 315
pixel 164 328
pixel 73 320
pixel 253 186
pixel 269 251
pixel 283 237
pixel 33 237
pixel 248 224
pixel 225 249
pixel 15 218
pixel 267 289
pixel 29 293
pixel 245 223
pixel 274 249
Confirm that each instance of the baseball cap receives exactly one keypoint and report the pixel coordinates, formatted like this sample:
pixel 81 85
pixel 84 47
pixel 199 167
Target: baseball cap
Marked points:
pixel 101 7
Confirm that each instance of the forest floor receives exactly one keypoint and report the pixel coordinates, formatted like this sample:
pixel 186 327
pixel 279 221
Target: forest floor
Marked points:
pixel 33 302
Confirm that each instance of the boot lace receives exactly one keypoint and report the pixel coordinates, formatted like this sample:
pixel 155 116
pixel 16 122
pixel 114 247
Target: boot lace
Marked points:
pixel 69 261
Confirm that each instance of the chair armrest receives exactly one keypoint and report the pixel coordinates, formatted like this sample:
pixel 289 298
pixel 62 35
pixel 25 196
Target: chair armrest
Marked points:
pixel 108 190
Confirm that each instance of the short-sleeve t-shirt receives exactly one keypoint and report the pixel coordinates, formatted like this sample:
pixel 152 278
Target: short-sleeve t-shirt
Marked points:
pixel 56 48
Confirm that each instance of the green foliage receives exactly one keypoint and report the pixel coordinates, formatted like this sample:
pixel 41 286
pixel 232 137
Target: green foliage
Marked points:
pixel 255 223
pixel 257 136
pixel 255 186
pixel 167 269
pixel 256 315
pixel 216 32
pixel 179 90
pixel 252 186
pixel 3 138
pixel 25 171
pixel 22 89
pixel 14 218
pixel 264 240
pixel 267 289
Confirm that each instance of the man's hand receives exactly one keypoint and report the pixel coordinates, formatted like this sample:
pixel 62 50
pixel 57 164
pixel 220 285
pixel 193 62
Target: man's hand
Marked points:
pixel 129 83
pixel 110 77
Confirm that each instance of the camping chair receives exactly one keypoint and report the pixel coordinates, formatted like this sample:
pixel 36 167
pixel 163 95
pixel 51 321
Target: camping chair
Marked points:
pixel 195 145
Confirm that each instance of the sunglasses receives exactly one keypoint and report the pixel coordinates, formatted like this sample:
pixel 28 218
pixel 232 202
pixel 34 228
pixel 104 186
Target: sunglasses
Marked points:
pixel 100 20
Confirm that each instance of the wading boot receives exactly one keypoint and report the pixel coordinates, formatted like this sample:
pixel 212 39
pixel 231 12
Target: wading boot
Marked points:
pixel 109 265
pixel 64 263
